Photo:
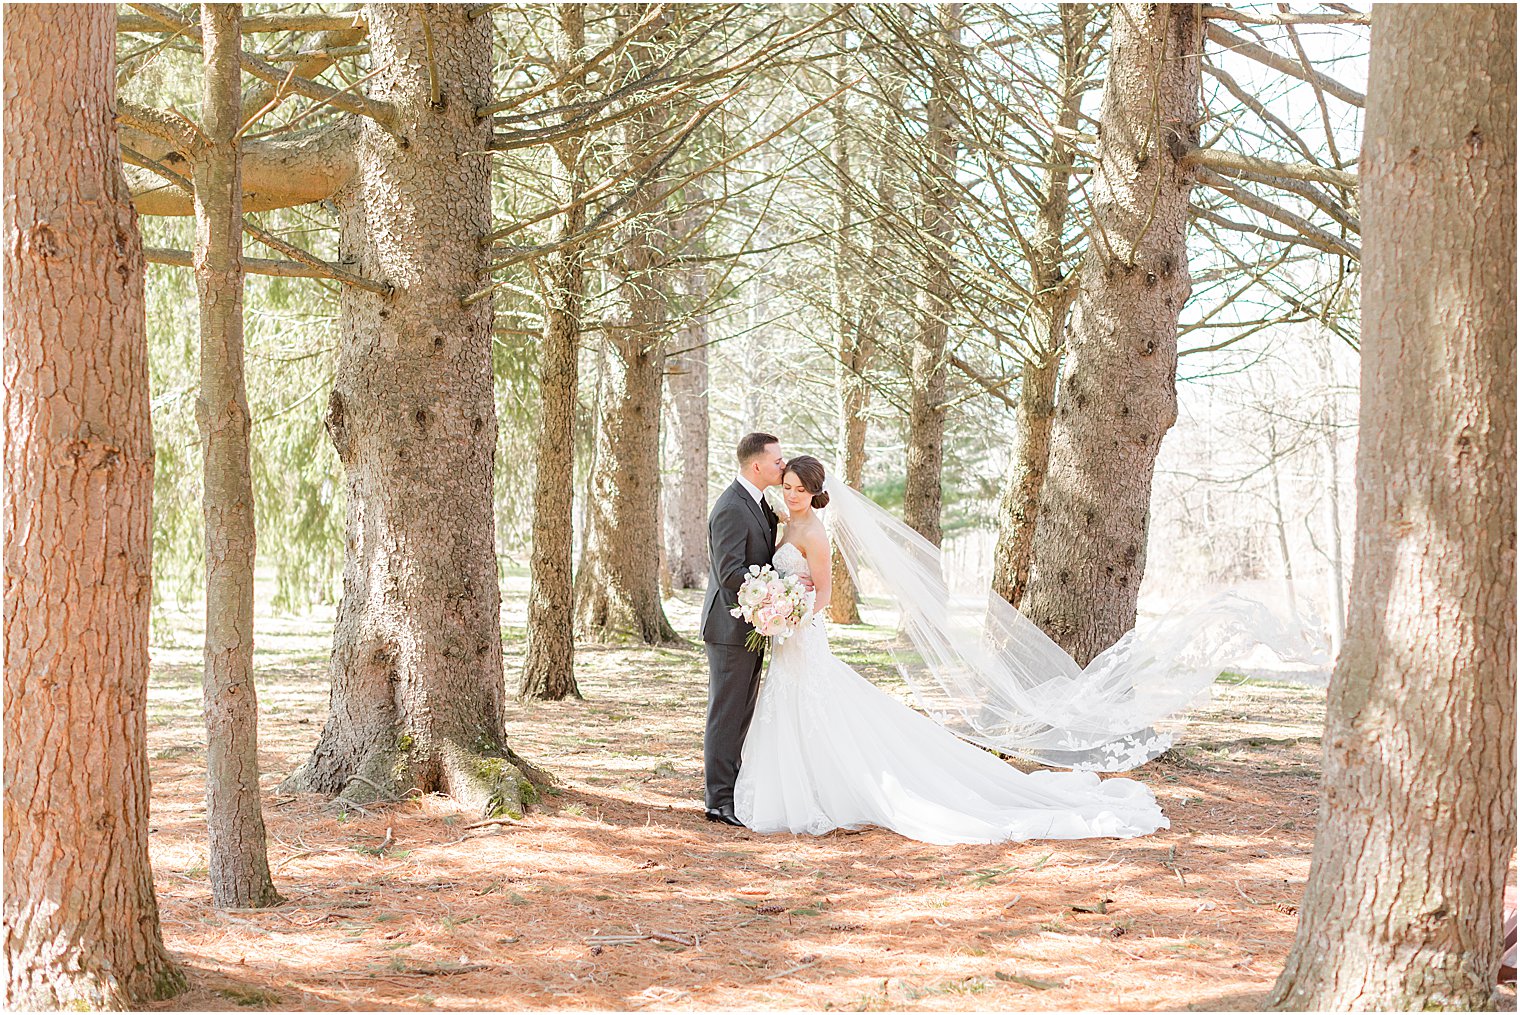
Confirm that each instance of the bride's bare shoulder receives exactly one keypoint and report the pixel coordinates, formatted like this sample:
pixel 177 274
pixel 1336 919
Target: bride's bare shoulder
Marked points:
pixel 812 538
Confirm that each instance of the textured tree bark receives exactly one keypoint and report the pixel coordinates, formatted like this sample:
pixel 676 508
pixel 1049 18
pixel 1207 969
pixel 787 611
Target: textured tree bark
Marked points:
pixel 1333 519
pixel 1117 395
pixel 304 167
pixel 926 396
pixel 417 681
pixel 1018 510
pixel 549 666
pixel 618 588
pixel 239 865
pixel 80 919
pixel 686 380
pixel 1284 547
pixel 854 350
pixel 1403 909
pixel 864 337
pixel 687 436
pixel 854 398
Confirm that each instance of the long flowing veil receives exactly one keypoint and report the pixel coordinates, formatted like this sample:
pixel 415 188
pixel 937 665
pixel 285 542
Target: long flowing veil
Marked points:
pixel 990 675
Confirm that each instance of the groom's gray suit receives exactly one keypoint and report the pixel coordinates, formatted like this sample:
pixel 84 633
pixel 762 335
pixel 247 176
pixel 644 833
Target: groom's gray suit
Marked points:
pixel 740 532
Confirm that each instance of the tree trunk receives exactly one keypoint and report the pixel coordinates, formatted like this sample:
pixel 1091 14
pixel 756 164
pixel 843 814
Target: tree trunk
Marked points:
pixel 1329 418
pixel 1118 391
pixel 863 316
pixel 926 396
pixel 1337 542
pixel 549 666
pixel 1018 511
pixel 618 588
pixel 1403 909
pixel 686 381
pixel 1275 456
pixel 417 682
pixel 239 865
pixel 849 369
pixel 80 919
pixel 844 597
pixel 844 602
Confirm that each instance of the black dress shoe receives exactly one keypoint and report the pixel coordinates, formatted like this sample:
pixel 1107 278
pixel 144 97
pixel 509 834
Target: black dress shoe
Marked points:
pixel 724 815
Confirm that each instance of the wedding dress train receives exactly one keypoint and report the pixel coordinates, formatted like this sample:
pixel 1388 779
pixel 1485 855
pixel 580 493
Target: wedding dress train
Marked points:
pixel 828 749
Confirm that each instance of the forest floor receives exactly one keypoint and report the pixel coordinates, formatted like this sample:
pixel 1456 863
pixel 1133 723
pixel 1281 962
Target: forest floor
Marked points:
pixel 614 893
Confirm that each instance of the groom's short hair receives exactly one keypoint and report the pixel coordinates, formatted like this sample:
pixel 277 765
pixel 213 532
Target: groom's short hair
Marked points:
pixel 752 444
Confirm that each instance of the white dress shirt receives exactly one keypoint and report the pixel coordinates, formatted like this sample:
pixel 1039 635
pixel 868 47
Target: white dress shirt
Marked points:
pixel 754 491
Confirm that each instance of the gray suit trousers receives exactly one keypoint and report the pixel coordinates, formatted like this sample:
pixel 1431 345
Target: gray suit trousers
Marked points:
pixel 733 685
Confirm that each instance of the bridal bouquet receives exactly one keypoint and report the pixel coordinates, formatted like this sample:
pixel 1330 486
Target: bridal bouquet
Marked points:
pixel 775 604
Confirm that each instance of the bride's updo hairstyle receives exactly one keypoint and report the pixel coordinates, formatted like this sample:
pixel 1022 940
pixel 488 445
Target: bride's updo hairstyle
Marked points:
pixel 809 472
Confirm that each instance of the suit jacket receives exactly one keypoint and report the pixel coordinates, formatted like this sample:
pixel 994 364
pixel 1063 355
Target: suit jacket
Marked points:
pixel 739 533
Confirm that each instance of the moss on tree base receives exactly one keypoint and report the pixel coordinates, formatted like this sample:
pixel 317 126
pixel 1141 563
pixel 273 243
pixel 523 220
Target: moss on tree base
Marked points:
pixel 488 778
pixel 494 786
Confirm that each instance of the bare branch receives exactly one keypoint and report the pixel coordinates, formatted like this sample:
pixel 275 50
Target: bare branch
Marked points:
pixel 321 51
pixel 578 71
pixel 991 387
pixel 296 169
pixel 604 221
pixel 278 95
pixel 329 47
pixel 179 134
pixel 1319 97
pixel 1256 106
pixel 1326 203
pixel 145 23
pixel 1232 163
pixel 295 253
pixel 251 265
pixel 1262 54
pixel 265 237
pixel 381 112
pixel 1312 234
pixel 1254 18
pixel 1252 229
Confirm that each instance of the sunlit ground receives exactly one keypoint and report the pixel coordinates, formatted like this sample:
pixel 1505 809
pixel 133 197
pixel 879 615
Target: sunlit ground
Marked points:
pixel 614 893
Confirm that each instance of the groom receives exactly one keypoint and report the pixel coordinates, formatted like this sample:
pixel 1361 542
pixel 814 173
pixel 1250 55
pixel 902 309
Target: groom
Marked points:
pixel 740 531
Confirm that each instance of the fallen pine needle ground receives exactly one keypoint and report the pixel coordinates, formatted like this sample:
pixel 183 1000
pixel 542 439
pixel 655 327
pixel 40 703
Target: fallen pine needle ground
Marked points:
pixel 614 893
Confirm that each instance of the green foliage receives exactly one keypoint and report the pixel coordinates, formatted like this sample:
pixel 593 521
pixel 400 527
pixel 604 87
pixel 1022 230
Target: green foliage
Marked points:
pixel 290 338
pixel 250 997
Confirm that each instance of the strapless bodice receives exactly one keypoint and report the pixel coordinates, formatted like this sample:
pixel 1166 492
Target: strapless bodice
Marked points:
pixel 789 560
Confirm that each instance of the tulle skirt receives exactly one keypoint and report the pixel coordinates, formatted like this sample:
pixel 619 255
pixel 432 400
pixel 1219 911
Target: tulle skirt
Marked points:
pixel 828 749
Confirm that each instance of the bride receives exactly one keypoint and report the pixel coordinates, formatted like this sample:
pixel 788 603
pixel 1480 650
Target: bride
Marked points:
pixel 827 749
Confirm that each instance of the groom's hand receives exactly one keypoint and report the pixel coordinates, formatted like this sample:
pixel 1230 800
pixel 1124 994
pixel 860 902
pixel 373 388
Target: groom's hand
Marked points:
pixel 805 581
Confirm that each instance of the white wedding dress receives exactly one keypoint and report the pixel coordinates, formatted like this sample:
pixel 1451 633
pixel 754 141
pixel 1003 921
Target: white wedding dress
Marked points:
pixel 828 749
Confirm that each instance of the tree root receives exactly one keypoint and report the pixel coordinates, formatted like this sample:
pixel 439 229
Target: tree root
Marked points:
pixel 490 780
pixel 61 989
pixel 492 785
